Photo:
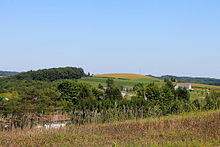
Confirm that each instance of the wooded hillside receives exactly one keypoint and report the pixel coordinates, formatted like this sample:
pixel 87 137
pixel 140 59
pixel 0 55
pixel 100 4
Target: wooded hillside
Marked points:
pixel 52 74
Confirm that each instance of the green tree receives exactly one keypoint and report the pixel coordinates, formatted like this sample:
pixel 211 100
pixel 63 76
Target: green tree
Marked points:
pixel 169 84
pixel 212 100
pixel 112 92
pixel 182 94
pixel 152 92
pixel 110 82
pixel 73 91
pixel 100 86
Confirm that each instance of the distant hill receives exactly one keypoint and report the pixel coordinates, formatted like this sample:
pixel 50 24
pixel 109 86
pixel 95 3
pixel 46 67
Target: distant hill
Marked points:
pixel 51 74
pixel 125 76
pixel 8 73
pixel 199 80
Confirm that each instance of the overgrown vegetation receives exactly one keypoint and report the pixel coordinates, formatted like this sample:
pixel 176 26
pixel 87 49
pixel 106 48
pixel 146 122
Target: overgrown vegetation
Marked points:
pixel 189 129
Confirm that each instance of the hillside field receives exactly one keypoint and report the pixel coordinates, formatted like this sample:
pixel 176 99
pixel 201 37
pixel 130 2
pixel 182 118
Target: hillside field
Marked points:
pixel 187 129
pixel 120 79
pixel 126 79
pixel 125 76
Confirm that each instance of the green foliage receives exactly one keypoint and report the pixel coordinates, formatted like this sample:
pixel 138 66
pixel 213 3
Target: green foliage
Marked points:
pixel 112 92
pixel 152 92
pixel 169 84
pixel 212 100
pixel 110 82
pixel 10 95
pixel 164 99
pixel 10 85
pixel 197 104
pixel 100 86
pixel 73 91
pixel 137 86
pixel 97 93
pixel 182 94
pixel 52 74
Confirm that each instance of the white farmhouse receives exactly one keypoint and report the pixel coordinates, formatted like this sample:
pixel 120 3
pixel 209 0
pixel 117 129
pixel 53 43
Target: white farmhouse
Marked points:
pixel 187 86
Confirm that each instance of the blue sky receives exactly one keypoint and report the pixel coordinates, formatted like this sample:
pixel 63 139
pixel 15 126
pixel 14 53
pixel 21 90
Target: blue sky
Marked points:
pixel 178 37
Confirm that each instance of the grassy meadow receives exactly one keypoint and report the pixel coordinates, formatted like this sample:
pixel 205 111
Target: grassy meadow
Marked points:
pixel 188 129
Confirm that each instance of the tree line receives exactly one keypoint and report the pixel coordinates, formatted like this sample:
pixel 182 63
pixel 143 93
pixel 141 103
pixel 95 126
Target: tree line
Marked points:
pixel 51 74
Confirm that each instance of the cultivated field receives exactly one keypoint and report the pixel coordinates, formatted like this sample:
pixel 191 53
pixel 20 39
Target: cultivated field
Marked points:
pixel 126 79
pixel 125 76
pixel 190 129
pixel 120 79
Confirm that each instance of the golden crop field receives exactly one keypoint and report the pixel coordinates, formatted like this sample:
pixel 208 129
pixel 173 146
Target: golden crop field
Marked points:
pixel 124 75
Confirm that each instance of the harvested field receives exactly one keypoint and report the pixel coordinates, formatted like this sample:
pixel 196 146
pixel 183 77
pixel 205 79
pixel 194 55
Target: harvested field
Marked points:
pixel 125 76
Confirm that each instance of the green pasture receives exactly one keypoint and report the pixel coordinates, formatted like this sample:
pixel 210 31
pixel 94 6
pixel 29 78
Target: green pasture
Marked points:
pixel 95 81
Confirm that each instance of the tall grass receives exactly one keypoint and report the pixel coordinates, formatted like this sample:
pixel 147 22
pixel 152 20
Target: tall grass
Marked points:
pixel 188 129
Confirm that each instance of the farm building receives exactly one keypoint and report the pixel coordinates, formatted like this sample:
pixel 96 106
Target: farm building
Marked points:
pixel 187 86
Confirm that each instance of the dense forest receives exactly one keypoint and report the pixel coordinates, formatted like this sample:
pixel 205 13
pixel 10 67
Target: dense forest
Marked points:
pixel 8 73
pixel 199 80
pixel 51 74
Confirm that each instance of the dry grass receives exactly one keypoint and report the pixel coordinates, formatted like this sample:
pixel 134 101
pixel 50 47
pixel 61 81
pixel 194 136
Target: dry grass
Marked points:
pixel 124 76
pixel 185 130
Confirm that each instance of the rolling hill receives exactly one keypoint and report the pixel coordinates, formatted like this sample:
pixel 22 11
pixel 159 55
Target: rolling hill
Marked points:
pixel 124 76
pixel 124 79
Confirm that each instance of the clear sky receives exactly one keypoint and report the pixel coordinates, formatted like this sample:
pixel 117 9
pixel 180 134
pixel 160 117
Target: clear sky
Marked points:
pixel 178 37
